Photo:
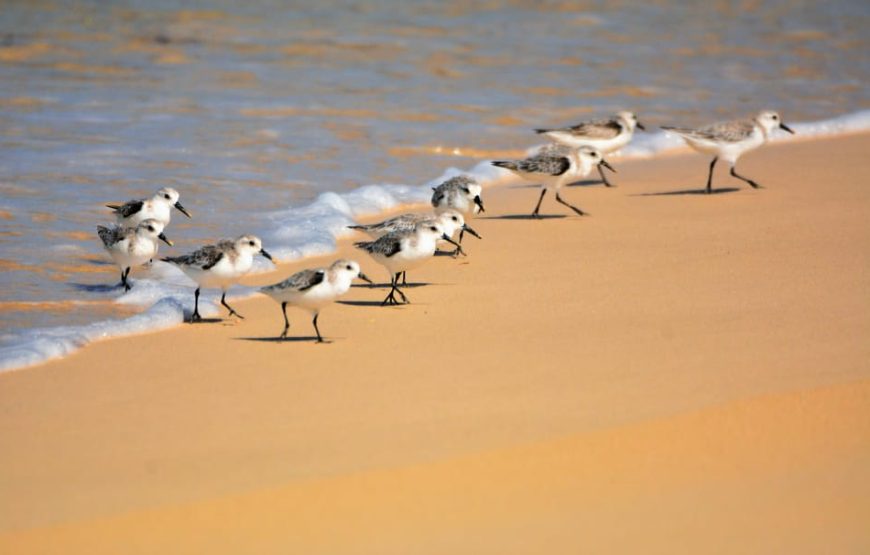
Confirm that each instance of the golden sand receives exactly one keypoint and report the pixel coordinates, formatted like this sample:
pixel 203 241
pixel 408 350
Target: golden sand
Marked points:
pixel 678 372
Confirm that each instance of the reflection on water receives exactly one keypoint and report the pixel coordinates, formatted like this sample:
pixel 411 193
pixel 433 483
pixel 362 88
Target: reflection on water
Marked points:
pixel 246 107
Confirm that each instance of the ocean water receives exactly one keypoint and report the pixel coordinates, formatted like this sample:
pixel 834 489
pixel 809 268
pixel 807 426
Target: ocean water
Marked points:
pixel 289 120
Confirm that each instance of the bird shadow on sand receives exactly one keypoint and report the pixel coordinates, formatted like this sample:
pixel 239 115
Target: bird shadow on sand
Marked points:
pixel 362 303
pixel 523 217
pixel 187 320
pixel 291 339
pixel 586 183
pixel 387 285
pixel 702 192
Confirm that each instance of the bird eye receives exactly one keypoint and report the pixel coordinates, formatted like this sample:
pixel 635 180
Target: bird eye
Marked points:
pixel 166 197
pixel 775 117
pixel 466 190
pixel 150 228
pixel 251 243
pixel 348 267
pixel 434 228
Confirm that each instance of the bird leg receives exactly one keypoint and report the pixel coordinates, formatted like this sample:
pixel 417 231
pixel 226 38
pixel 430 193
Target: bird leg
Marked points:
pixel 746 179
pixel 604 177
pixel 574 208
pixel 538 206
pixel 710 176
pixel 124 282
pixel 228 307
pixel 316 329
pixel 195 317
pixel 286 321
pixel 394 288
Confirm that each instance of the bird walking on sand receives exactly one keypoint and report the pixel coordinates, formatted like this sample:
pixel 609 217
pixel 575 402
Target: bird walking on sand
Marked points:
pixel 219 265
pixel 158 207
pixel 404 250
pixel 730 139
pixel 460 193
pixel 313 289
pixel 552 170
pixel 132 246
pixel 604 135
pixel 450 221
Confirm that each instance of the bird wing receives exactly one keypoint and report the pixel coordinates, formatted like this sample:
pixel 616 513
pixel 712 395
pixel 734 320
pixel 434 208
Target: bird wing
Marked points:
pixel 128 208
pixel 723 131
pixel 388 245
pixel 541 163
pixel 300 281
pixel 597 129
pixel 110 235
pixel 204 258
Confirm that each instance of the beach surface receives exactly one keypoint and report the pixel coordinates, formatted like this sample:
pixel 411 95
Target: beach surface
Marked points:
pixel 677 372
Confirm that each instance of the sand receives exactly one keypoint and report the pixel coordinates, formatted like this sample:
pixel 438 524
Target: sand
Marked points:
pixel 675 373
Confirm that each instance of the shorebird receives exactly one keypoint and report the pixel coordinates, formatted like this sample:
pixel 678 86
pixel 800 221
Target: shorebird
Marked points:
pixel 604 135
pixel 404 250
pixel 553 170
pixel 132 246
pixel 461 193
pixel 219 265
pixel 158 207
pixel 450 221
pixel 313 289
pixel 730 139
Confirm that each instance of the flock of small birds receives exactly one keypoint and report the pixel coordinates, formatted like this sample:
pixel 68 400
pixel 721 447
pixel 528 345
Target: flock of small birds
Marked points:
pixel 405 242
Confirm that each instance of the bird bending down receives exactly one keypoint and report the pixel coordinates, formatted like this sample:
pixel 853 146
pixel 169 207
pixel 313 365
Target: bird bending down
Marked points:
pixel 552 170
pixel 604 135
pixel 219 265
pixel 132 246
pixel 313 289
pixel 729 140
pixel 400 251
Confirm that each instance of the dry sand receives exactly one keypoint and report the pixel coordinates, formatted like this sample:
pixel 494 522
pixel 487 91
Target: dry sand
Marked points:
pixel 676 373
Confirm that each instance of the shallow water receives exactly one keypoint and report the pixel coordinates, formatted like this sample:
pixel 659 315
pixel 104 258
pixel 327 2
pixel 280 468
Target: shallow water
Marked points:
pixel 254 109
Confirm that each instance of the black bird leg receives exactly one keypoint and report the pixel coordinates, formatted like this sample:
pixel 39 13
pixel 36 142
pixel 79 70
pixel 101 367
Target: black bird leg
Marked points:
pixel 538 206
pixel 228 307
pixel 286 321
pixel 574 208
pixel 604 177
pixel 195 317
pixel 124 282
pixel 710 176
pixel 394 288
pixel 746 179
pixel 316 329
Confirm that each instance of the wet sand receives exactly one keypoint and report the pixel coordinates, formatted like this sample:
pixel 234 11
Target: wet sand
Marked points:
pixel 677 372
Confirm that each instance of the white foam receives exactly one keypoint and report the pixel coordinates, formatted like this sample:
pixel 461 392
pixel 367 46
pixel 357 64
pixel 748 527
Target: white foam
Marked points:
pixel 303 231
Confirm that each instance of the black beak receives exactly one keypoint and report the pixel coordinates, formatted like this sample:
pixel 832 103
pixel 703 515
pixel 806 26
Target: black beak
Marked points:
pixel 365 278
pixel 604 163
pixel 267 255
pixel 470 231
pixel 163 238
pixel 640 126
pixel 785 127
pixel 182 209
pixel 479 203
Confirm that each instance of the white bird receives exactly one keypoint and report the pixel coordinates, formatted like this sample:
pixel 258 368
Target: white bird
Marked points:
pixel 404 250
pixel 220 266
pixel 132 246
pixel 552 170
pixel 450 221
pixel 604 135
pixel 313 289
pixel 730 139
pixel 158 207
pixel 461 193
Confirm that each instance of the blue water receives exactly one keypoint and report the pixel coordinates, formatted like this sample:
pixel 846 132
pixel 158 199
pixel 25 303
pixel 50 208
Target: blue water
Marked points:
pixel 252 110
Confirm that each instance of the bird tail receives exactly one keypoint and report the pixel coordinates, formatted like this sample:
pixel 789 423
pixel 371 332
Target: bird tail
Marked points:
pixel 680 130
pixel 542 131
pixel 507 164
pixel 359 227
pixel 114 207
pixel 362 244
